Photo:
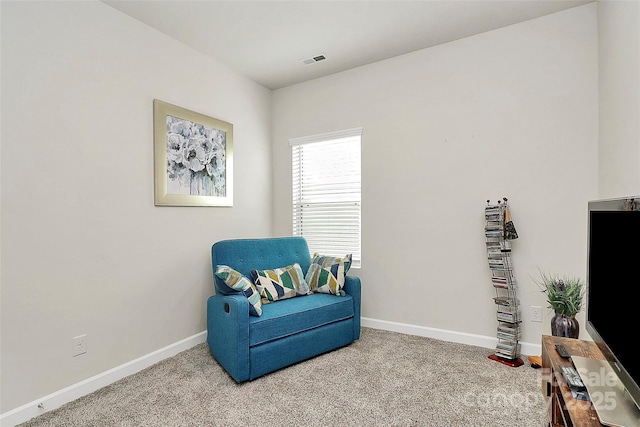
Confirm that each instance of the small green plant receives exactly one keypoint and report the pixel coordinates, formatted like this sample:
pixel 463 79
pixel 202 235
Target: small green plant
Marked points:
pixel 564 295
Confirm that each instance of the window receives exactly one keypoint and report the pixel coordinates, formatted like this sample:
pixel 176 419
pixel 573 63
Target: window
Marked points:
pixel 326 192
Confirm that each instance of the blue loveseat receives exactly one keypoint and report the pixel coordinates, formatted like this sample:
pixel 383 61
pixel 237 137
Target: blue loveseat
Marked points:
pixel 289 330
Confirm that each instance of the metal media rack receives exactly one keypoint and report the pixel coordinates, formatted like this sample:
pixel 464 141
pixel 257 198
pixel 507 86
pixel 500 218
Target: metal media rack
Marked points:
pixel 499 231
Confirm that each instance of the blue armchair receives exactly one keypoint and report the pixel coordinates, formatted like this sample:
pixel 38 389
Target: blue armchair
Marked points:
pixel 288 331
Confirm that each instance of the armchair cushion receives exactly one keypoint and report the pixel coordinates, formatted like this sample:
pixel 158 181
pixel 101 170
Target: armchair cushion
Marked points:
pixel 297 315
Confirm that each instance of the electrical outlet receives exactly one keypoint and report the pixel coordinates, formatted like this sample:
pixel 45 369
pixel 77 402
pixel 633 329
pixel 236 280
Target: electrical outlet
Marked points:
pixel 536 313
pixel 79 345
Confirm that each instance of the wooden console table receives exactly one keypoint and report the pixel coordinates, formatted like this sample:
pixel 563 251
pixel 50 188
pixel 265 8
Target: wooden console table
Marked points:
pixel 563 409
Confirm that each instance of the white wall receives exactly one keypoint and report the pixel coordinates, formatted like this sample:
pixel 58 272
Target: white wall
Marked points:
pixel 84 250
pixel 511 112
pixel 619 66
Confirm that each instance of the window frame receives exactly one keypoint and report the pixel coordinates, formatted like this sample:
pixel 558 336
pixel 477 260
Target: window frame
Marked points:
pixel 298 204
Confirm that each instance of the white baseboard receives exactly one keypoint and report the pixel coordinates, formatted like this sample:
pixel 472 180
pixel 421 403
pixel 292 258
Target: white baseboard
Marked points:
pixel 75 391
pixel 445 335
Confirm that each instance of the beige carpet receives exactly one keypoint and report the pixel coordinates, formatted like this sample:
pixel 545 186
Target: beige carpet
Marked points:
pixel 384 379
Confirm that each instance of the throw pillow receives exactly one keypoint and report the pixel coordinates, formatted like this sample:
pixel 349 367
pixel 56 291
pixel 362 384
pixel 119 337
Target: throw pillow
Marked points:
pixel 237 282
pixel 280 283
pixel 326 274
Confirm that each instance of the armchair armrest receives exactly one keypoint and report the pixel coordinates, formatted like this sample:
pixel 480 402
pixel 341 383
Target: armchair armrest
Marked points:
pixel 228 333
pixel 353 287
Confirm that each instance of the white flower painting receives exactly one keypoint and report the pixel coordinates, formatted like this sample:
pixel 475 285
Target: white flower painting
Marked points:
pixel 193 158
pixel 196 158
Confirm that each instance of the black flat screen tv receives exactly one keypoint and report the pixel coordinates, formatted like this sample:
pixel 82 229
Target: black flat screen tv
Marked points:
pixel 613 280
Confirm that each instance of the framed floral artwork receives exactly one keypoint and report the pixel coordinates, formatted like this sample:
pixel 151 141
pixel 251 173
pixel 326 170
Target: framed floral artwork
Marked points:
pixel 193 158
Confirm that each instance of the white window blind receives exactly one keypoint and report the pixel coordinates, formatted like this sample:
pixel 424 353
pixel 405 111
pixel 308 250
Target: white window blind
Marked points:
pixel 326 192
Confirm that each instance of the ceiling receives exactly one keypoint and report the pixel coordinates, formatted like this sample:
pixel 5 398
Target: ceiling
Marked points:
pixel 267 41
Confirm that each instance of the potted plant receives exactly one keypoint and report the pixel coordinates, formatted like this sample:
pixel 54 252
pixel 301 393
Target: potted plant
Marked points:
pixel 565 296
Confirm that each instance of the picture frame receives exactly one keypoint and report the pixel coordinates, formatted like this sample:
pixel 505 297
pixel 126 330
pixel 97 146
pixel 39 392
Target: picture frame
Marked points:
pixel 193 156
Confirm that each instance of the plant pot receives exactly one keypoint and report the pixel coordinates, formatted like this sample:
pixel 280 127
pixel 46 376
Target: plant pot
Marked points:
pixel 564 326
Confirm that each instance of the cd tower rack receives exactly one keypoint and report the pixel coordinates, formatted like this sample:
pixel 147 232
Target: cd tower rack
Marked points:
pixel 499 231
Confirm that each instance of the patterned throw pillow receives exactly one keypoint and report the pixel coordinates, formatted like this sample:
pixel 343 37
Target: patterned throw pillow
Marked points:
pixel 280 283
pixel 236 281
pixel 326 274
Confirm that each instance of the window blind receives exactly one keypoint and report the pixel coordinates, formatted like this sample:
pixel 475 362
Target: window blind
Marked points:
pixel 326 192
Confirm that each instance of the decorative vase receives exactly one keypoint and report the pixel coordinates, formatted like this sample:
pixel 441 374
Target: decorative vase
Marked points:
pixel 564 326
pixel 201 184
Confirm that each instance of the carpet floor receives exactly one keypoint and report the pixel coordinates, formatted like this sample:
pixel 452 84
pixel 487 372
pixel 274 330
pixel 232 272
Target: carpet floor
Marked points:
pixel 383 379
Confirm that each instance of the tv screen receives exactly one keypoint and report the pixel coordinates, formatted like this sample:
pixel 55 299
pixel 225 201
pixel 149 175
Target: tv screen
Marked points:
pixel 613 278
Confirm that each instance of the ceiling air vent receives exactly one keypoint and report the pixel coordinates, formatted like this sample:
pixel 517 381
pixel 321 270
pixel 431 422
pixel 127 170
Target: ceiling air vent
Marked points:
pixel 313 60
